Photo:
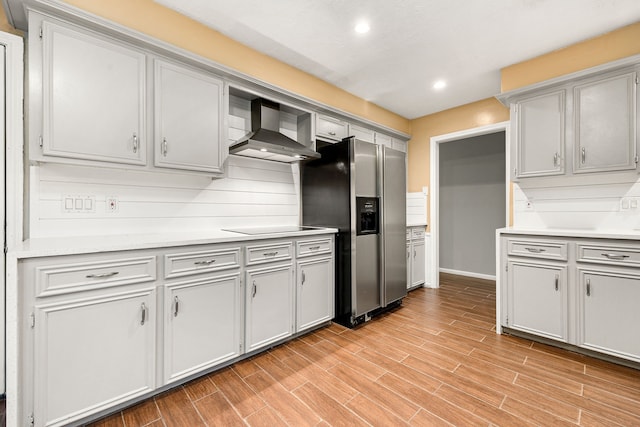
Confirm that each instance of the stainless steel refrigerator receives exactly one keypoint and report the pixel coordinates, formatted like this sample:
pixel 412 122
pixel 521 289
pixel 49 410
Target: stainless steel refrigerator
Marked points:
pixel 360 189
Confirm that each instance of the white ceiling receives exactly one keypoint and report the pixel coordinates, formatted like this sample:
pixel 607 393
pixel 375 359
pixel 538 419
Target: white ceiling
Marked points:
pixel 412 43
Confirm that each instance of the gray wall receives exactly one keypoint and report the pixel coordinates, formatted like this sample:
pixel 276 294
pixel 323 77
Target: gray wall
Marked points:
pixel 472 202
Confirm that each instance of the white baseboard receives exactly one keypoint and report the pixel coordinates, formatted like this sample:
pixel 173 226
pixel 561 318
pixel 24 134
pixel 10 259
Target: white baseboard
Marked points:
pixel 468 274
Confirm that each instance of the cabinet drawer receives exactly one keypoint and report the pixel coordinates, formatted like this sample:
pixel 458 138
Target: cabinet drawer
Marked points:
pixel 417 234
pixel 72 277
pixel 608 254
pixel 313 247
pixel 538 249
pixel 188 263
pixel 361 133
pixel 330 128
pixel 268 253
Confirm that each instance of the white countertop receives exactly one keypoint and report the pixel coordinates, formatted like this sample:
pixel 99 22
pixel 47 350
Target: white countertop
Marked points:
pixel 54 246
pixel 572 232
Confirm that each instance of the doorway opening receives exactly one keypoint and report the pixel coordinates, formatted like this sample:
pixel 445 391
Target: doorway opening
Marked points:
pixel 469 200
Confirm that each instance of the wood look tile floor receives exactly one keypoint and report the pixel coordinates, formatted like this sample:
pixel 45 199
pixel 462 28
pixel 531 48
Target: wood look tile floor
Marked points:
pixel 436 361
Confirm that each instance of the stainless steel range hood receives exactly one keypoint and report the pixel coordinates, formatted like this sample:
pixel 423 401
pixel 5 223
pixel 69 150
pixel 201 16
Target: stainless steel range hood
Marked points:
pixel 265 140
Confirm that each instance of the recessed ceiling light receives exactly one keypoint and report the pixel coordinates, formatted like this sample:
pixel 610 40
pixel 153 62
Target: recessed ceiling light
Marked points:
pixel 362 27
pixel 439 85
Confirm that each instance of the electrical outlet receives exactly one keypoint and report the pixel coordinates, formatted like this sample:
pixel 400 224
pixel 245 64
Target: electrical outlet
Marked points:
pixel 112 204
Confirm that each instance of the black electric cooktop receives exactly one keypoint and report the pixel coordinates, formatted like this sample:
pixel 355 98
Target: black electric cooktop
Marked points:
pixel 253 231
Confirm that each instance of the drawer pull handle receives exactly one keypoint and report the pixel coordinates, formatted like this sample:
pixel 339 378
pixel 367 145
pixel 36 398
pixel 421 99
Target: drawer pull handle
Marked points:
pixel 588 287
pixel 144 313
pixel 254 289
pixel 555 159
pixel 583 154
pixel 615 256
pixel 102 275
pixel 557 280
pixel 314 248
pixel 303 277
pixel 332 133
pixel 135 143
pixel 270 254
pixel 165 147
pixel 536 250
pixel 176 306
pixel 205 262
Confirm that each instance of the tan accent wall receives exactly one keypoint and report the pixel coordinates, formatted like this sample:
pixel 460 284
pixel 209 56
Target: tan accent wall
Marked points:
pixel 476 114
pixel 608 47
pixel 167 25
pixel 5 26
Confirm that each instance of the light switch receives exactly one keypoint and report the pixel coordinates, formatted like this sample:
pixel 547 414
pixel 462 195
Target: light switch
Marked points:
pixel 633 204
pixel 624 204
pixel 68 203
pixel 78 204
pixel 88 204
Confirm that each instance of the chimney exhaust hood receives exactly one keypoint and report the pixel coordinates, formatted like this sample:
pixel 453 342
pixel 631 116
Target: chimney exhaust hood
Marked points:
pixel 265 140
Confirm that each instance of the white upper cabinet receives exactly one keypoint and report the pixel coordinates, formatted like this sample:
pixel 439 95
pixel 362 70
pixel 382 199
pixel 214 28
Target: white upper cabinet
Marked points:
pixel 605 134
pixel 188 119
pixel 331 128
pixel 93 92
pixel 539 123
pixel 363 134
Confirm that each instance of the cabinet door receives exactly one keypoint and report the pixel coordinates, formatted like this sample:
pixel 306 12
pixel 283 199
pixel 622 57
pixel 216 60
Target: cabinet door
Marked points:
pixel 92 354
pixel 417 263
pixel 605 124
pixel 537 296
pixel 202 325
pixel 314 292
pixel 330 128
pixel 269 305
pixel 188 119
pixel 409 265
pixel 540 134
pixel 94 91
pixel 610 313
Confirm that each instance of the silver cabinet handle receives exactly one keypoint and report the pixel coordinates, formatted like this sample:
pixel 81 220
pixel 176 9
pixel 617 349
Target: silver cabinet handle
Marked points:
pixel 205 262
pixel 583 154
pixel 135 143
pixel 164 147
pixel 332 133
pixel 555 159
pixel 144 314
pixel 303 277
pixel 270 253
pixel 314 248
pixel 415 253
pixel 588 287
pixel 254 290
pixel 535 250
pixel 176 306
pixel 102 275
pixel 615 256
pixel 557 280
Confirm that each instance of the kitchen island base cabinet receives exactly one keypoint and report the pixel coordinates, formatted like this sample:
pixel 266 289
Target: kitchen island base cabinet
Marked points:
pixel 538 299
pixel 92 353
pixel 609 310
pixel 202 324
pixel 268 305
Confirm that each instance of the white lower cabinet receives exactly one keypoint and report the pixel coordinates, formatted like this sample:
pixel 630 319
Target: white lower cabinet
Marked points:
pixel 538 298
pixel 269 305
pixel 609 312
pixel 92 353
pixel 416 257
pixel 103 329
pixel 581 291
pixel 202 324
pixel 314 293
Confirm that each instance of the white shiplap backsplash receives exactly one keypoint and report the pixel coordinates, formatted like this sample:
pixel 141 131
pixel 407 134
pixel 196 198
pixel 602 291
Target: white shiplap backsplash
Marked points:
pixel 254 193
pixel 591 202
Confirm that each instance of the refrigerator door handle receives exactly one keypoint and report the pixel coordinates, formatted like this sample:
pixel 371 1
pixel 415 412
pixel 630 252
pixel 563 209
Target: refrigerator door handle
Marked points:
pixel 382 226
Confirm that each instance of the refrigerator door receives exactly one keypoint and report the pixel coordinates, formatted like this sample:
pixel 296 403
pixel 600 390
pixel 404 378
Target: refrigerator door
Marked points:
pixel 366 248
pixel 393 187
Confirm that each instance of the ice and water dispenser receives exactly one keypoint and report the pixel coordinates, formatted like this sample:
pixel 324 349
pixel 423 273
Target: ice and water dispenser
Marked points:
pixel 367 216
